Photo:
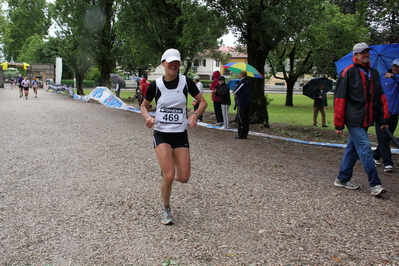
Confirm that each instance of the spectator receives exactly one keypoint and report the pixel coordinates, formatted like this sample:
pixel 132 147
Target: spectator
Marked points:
pixel 217 105
pixel 243 94
pixel 320 101
pixel 143 90
pixel 389 82
pixel 201 90
pixel 224 93
pixel 359 101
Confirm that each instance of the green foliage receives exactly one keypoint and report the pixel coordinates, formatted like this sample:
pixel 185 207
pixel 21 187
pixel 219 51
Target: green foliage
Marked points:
pixel 333 38
pixel 68 82
pixel 169 262
pixel 315 45
pixel 31 50
pixel 10 73
pixel 381 17
pixel 3 26
pixel 26 18
pixel 146 32
pixel 94 74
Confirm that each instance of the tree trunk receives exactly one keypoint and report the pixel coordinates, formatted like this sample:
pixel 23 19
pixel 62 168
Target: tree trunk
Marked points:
pixel 290 91
pixel 257 59
pixel 79 85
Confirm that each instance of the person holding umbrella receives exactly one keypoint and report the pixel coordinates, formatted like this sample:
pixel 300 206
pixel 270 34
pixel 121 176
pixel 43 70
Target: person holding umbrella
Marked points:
pixel 390 84
pixel 243 94
pixel 359 101
pixel 320 101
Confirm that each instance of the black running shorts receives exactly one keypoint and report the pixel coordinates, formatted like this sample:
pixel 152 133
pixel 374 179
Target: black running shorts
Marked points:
pixel 175 140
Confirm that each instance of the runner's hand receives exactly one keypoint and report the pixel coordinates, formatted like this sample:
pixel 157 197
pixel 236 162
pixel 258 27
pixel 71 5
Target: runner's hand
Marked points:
pixel 150 122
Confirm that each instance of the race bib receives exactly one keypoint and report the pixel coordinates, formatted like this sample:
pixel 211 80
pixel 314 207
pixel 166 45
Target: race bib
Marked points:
pixel 170 115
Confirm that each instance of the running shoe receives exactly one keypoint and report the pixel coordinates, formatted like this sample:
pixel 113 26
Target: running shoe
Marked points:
pixel 348 185
pixel 377 190
pixel 376 162
pixel 388 168
pixel 166 216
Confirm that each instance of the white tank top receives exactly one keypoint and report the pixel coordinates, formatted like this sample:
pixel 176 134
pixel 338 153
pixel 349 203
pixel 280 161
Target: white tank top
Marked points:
pixel 171 113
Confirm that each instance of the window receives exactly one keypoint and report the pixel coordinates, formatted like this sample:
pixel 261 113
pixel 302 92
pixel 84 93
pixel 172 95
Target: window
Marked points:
pixel 217 63
pixel 196 62
pixel 204 62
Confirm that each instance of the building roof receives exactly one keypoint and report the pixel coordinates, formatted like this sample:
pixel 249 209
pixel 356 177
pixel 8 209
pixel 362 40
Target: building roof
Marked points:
pixel 232 51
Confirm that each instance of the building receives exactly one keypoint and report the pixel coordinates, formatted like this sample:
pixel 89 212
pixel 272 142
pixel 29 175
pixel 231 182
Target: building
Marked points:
pixel 205 66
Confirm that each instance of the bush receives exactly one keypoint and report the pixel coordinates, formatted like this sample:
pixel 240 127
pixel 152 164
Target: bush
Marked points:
pixel 86 83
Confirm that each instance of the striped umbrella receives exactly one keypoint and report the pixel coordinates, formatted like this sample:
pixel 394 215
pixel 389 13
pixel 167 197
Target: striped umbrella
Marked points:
pixel 237 67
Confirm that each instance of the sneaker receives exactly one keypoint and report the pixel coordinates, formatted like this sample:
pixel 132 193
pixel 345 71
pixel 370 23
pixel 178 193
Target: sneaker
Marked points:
pixel 348 185
pixel 166 216
pixel 376 162
pixel 388 168
pixel 324 126
pixel 377 190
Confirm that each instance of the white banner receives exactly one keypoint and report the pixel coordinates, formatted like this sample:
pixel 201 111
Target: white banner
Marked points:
pixel 58 70
pixel 107 98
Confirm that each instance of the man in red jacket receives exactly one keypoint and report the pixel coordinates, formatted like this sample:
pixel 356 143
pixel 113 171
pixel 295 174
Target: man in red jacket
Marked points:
pixel 359 101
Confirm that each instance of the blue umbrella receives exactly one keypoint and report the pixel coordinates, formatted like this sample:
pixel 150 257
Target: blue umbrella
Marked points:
pixel 137 79
pixel 232 83
pixel 381 57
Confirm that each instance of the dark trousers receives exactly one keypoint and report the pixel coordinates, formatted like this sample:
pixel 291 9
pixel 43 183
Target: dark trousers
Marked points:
pixel 195 109
pixel 243 121
pixel 384 149
pixel 217 106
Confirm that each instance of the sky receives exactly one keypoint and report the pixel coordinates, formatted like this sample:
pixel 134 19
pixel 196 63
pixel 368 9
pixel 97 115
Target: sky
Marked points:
pixel 229 39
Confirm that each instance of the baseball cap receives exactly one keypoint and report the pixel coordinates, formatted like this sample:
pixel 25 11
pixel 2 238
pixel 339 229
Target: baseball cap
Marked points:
pixel 197 78
pixel 396 62
pixel 222 78
pixel 360 47
pixel 171 55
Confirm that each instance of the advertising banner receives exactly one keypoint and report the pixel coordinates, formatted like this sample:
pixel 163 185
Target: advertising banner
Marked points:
pixel 107 98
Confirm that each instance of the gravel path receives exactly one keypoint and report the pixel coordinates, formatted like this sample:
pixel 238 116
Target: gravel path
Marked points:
pixel 79 185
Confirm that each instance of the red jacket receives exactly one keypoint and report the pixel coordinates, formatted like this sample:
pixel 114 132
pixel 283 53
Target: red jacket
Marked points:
pixel 215 85
pixel 356 103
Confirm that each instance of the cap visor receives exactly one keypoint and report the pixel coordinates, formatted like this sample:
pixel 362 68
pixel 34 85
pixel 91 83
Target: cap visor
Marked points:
pixel 171 59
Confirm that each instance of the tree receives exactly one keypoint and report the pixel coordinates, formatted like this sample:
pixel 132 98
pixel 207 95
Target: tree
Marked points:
pixel 31 50
pixel 314 49
pixel 3 26
pixel 260 26
pixel 21 24
pixel 147 31
pixel 89 27
pixel 381 16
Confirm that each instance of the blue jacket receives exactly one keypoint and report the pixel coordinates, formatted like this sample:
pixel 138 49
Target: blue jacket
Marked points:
pixel 391 89
pixel 243 92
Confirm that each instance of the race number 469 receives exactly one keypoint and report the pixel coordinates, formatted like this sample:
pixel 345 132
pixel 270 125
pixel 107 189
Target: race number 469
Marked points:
pixel 171 115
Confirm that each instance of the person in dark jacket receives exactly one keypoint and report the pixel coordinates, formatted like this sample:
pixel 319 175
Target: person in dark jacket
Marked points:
pixel 359 101
pixel 224 93
pixel 243 94
pixel 319 105
pixel 390 84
